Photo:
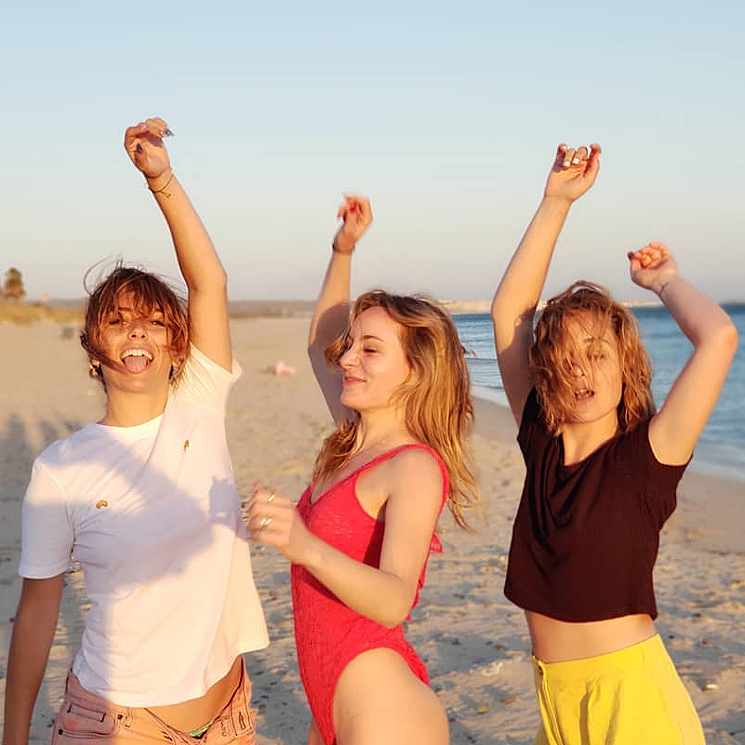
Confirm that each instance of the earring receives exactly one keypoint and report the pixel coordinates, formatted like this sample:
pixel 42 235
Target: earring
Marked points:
pixel 94 369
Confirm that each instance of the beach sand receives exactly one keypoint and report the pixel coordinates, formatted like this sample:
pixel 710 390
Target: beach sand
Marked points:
pixel 473 641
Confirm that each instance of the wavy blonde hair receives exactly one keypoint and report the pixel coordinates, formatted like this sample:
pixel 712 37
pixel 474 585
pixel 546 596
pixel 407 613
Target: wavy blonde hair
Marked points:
pixel 149 293
pixel 550 354
pixel 436 396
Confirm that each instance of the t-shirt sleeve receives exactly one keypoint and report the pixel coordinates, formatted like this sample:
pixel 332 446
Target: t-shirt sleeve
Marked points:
pixel 660 479
pixel 531 422
pixel 205 381
pixel 47 534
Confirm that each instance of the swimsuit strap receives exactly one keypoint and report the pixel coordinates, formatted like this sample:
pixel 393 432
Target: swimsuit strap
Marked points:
pixel 395 451
pixel 354 475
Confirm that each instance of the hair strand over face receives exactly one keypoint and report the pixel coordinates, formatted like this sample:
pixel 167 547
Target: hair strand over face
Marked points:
pixel 550 354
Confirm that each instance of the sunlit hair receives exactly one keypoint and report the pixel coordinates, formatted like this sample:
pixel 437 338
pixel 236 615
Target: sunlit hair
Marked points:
pixel 149 294
pixel 550 357
pixel 435 397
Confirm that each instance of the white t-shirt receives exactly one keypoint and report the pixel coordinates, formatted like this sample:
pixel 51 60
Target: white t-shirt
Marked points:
pixel 152 514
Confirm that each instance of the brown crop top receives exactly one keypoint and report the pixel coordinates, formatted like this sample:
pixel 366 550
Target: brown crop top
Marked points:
pixel 586 536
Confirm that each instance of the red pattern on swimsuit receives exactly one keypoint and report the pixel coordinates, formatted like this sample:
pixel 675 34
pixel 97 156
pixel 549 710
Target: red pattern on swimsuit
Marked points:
pixel 329 634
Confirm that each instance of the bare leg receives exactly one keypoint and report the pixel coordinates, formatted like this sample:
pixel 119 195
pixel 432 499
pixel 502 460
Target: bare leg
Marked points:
pixel 378 699
pixel 314 735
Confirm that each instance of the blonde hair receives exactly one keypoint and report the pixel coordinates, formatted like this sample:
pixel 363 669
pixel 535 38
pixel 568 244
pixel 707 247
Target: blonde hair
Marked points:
pixel 549 356
pixel 435 398
pixel 149 293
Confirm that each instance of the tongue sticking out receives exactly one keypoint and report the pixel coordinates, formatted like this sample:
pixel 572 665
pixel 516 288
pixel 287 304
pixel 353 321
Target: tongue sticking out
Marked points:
pixel 136 364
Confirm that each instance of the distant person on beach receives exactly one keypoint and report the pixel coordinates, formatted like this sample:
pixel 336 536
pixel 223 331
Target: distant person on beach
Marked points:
pixel 145 501
pixel 602 471
pixel 395 379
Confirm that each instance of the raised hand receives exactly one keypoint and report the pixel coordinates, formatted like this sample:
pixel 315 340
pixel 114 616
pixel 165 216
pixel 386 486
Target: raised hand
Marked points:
pixel 357 216
pixel 573 172
pixel 652 266
pixel 274 521
pixel 144 145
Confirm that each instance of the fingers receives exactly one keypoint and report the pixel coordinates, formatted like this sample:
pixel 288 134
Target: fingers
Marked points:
pixel 651 265
pixel 593 161
pixel 153 129
pixel 158 127
pixel 559 159
pixel 650 256
pixel 355 206
pixel 154 126
pixel 264 500
pixel 581 159
pixel 144 145
pixel 362 206
pixel 269 514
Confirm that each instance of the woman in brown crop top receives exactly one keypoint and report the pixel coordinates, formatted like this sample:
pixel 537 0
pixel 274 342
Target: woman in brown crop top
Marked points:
pixel 602 468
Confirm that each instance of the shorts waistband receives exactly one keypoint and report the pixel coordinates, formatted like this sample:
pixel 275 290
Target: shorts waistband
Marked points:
pixel 75 692
pixel 233 720
pixel 637 655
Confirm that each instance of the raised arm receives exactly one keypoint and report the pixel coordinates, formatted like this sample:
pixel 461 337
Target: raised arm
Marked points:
pixel 200 266
pixel 514 305
pixel 675 429
pixel 384 594
pixel 331 313
pixel 33 633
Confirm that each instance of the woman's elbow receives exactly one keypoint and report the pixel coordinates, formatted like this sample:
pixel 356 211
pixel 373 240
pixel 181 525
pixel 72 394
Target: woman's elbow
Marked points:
pixel 720 337
pixel 392 619
pixel 396 612
pixel 727 338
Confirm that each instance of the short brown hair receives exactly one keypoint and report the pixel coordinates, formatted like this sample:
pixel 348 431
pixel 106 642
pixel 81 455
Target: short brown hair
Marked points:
pixel 149 293
pixel 549 354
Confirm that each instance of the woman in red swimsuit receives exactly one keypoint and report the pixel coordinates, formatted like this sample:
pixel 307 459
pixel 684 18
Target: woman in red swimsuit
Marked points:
pixel 395 379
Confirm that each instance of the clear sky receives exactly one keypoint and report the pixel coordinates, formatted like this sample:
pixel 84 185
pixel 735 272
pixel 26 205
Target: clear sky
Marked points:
pixel 446 114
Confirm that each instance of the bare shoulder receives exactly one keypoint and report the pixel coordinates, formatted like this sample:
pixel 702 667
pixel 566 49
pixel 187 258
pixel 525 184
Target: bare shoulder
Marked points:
pixel 416 466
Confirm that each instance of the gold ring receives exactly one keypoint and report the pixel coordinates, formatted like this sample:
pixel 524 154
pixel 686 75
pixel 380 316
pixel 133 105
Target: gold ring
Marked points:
pixel 265 522
pixel 270 498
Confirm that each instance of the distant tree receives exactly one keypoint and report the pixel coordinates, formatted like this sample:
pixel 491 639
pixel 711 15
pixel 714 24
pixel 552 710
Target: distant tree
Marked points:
pixel 13 289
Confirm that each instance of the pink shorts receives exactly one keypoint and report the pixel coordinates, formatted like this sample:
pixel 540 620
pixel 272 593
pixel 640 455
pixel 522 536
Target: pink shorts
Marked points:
pixel 85 717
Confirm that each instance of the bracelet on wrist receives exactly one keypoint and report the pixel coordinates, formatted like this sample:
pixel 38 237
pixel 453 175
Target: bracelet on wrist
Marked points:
pixel 163 188
pixel 341 253
pixel 662 289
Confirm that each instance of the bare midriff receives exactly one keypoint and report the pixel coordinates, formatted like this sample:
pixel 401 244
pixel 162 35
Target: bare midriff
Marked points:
pixel 196 712
pixel 559 641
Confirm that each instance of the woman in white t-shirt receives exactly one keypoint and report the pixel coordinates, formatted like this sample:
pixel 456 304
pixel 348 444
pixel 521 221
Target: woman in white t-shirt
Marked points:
pixel 145 501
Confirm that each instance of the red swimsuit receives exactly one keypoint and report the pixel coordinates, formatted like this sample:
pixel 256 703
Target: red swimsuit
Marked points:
pixel 328 634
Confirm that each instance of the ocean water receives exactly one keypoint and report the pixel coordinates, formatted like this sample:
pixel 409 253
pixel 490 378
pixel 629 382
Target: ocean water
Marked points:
pixel 721 449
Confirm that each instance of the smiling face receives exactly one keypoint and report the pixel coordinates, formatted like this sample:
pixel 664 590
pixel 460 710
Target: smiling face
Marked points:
pixel 135 328
pixel 594 367
pixel 374 363
pixel 136 349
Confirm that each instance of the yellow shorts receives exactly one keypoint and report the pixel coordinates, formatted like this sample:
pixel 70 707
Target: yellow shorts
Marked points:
pixel 628 697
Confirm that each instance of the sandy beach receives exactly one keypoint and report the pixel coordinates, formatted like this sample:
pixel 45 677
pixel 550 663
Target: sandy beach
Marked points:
pixel 472 639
